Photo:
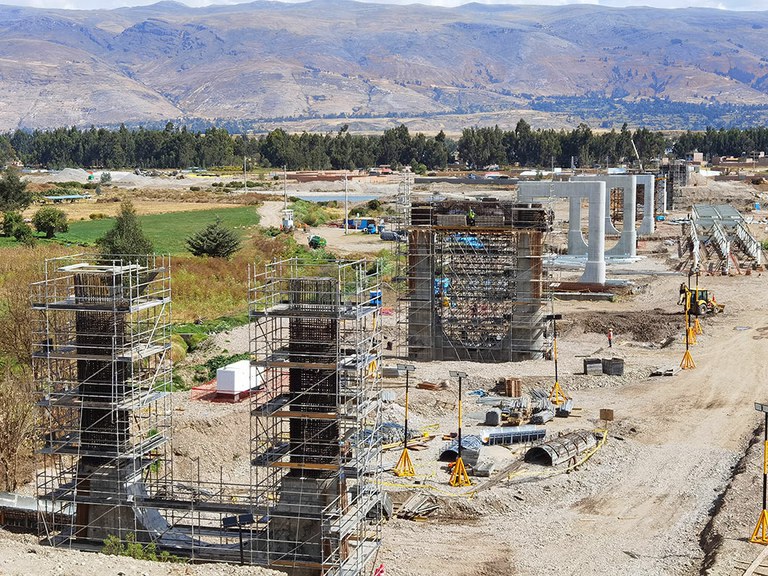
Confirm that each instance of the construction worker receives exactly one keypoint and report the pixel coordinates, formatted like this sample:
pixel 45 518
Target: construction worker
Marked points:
pixel 471 216
pixel 610 337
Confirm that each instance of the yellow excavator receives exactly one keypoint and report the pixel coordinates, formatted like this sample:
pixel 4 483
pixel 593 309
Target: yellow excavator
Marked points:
pixel 699 301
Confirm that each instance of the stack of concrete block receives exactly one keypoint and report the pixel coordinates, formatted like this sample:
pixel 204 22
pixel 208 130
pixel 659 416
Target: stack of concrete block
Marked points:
pixel 451 219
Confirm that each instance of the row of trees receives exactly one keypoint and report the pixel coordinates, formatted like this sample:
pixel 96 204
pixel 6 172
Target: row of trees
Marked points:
pixel 527 147
pixel 175 147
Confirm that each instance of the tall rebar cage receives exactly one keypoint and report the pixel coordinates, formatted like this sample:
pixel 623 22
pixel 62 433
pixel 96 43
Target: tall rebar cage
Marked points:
pixel 475 284
pixel 103 370
pixel 316 342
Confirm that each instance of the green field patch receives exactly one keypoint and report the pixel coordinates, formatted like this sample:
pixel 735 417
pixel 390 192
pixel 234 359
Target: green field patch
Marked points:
pixel 168 232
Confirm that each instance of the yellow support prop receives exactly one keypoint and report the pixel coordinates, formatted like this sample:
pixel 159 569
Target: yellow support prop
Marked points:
pixel 760 533
pixel 459 476
pixel 691 335
pixel 697 327
pixel 556 395
pixel 404 467
pixel 687 362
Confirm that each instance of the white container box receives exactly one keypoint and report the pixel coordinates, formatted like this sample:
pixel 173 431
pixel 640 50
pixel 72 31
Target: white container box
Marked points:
pixel 237 378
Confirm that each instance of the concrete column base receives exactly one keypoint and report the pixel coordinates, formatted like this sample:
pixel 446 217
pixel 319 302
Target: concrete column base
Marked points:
pixel 594 272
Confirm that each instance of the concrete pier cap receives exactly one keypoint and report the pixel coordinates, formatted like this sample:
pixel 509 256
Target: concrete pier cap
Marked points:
pixel 627 245
pixel 596 195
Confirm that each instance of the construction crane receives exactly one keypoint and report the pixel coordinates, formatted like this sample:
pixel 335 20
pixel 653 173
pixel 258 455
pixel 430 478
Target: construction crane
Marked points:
pixel 636 154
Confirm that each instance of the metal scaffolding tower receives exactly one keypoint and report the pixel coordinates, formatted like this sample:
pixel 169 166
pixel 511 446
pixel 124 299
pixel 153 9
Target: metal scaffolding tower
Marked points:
pixel 102 363
pixel 316 453
pixel 474 281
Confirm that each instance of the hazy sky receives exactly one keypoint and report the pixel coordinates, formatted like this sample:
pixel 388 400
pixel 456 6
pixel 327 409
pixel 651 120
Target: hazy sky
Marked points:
pixel 721 4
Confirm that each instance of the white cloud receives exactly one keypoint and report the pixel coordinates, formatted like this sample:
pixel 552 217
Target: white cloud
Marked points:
pixel 756 5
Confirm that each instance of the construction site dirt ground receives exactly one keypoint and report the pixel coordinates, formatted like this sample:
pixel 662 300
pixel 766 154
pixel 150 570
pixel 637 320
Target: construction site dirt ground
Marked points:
pixel 674 490
pixel 670 491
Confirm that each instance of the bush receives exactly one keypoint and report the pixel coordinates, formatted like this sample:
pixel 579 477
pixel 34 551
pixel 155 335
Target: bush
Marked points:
pixel 113 546
pixel 70 184
pixel 24 234
pixel 106 178
pixel 50 220
pixel 97 216
pixel 178 348
pixel 194 188
pixel 214 240
pixel 207 371
pixel 11 220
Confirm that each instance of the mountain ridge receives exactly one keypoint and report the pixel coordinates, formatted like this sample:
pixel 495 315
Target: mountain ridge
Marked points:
pixel 325 59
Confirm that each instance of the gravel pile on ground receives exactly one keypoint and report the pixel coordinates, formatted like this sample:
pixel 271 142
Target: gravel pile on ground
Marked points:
pixel 22 556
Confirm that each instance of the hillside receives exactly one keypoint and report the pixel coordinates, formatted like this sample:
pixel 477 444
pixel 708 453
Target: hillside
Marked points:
pixel 343 61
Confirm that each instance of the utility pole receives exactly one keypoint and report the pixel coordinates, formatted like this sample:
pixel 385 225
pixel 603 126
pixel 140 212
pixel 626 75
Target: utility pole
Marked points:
pixel 346 215
pixel 556 395
pixel 459 476
pixel 404 466
pixel 245 174
pixel 760 533
pixel 285 186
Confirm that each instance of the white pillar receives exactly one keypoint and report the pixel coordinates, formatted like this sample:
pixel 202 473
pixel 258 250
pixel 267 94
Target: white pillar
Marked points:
pixel 594 272
pixel 596 194
pixel 576 244
pixel 648 225
pixel 627 244
pixel 663 190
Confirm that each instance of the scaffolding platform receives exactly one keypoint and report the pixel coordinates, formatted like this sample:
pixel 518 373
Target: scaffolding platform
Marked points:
pixel 317 337
pixel 473 284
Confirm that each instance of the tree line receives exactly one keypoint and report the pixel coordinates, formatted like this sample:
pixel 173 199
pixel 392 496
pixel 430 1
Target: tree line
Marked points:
pixel 178 147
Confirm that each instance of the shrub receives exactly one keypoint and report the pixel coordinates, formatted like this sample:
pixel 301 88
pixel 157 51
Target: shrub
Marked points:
pixel 207 371
pixel 113 546
pixel 214 240
pixel 50 220
pixel 70 184
pixel 97 216
pixel 194 188
pixel 106 178
pixel 11 220
pixel 178 348
pixel 24 234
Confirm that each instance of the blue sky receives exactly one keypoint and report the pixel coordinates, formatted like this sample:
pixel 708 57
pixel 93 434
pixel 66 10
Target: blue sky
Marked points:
pixel 720 4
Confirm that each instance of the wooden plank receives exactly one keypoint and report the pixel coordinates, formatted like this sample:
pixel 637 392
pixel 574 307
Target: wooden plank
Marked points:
pixel 756 562
pixel 307 415
pixel 305 466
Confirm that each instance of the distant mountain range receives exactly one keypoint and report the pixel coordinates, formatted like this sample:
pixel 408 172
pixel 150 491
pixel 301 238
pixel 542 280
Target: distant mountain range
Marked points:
pixel 319 64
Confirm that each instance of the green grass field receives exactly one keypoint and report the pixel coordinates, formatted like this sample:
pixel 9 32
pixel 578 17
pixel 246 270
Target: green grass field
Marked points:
pixel 167 231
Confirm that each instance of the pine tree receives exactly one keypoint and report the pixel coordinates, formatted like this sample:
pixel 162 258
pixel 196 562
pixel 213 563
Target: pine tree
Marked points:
pixel 126 237
pixel 214 240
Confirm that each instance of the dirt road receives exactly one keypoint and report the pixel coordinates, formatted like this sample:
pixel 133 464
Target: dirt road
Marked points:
pixel 640 505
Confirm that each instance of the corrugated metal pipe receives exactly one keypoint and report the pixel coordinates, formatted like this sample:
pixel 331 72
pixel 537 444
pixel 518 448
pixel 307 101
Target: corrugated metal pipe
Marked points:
pixel 561 449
